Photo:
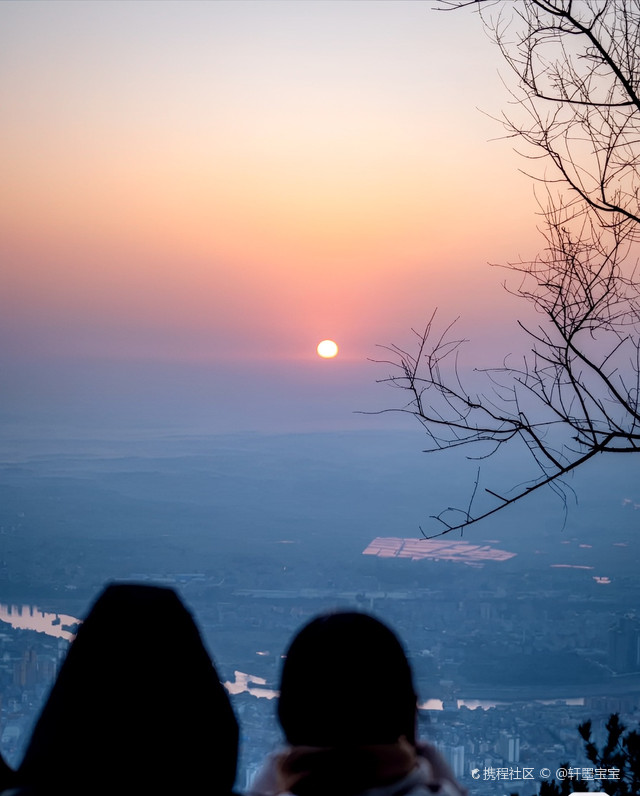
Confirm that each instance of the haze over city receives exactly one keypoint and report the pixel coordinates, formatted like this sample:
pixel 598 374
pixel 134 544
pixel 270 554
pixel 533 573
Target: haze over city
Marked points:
pixel 195 195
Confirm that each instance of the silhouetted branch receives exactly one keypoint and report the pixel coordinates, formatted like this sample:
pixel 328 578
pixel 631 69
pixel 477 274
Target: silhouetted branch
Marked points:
pixel 575 393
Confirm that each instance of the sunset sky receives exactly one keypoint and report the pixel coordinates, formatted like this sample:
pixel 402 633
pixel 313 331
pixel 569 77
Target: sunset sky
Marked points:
pixel 196 193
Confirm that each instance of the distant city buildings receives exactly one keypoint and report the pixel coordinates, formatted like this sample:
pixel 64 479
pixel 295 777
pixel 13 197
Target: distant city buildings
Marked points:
pixel 624 645
pixel 509 747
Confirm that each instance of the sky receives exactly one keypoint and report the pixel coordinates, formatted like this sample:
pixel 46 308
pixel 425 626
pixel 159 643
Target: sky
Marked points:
pixel 196 193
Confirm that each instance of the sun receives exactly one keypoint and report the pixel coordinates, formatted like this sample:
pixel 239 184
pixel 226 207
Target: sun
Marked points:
pixel 327 349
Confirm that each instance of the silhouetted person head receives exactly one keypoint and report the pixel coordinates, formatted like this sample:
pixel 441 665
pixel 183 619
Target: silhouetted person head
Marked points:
pixel 137 706
pixel 346 681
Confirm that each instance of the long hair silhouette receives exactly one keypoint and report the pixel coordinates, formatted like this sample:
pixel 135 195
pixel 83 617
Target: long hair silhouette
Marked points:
pixel 137 706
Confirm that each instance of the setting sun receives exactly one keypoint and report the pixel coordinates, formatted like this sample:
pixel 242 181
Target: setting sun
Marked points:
pixel 327 349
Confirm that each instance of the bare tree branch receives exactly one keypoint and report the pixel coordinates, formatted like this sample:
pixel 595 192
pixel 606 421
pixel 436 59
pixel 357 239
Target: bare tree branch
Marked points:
pixel 575 394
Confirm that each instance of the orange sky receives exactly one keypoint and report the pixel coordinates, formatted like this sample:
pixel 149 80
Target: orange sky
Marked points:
pixel 236 181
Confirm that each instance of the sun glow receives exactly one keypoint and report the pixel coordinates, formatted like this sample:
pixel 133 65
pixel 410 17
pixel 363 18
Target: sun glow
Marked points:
pixel 327 349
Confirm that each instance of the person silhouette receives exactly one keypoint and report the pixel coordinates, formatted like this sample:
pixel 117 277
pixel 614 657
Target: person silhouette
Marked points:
pixel 7 775
pixel 137 707
pixel 348 710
